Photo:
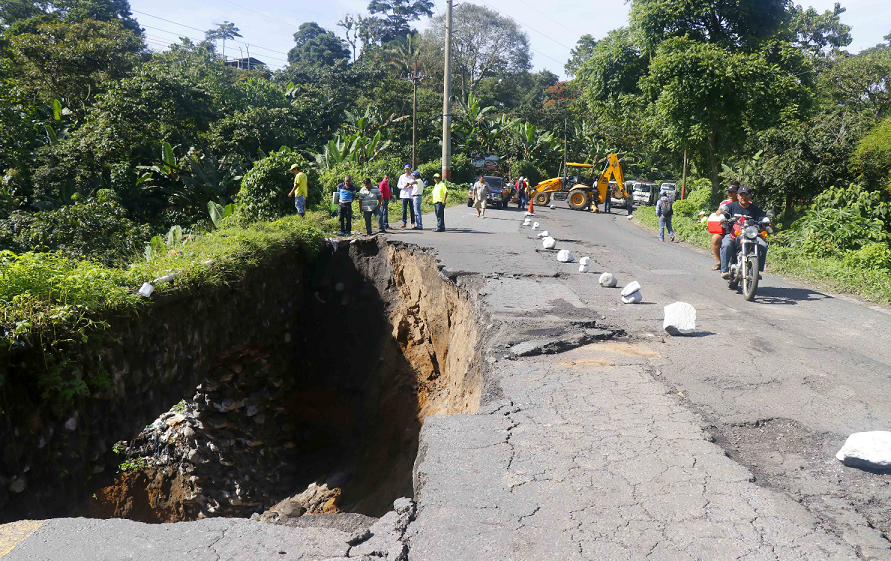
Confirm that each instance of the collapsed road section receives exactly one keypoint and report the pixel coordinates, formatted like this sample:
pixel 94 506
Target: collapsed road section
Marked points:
pixel 307 383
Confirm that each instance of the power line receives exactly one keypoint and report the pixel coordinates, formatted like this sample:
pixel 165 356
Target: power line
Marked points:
pixel 255 11
pixel 547 16
pixel 199 40
pixel 203 31
pixel 529 26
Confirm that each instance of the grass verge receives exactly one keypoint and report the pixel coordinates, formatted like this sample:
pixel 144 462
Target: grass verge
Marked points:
pixel 59 306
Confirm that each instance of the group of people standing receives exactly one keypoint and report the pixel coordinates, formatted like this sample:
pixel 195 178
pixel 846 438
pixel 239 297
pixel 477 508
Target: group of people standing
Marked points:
pixel 375 201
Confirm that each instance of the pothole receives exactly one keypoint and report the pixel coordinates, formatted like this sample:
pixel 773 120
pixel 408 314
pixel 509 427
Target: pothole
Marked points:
pixel 326 415
pixel 784 454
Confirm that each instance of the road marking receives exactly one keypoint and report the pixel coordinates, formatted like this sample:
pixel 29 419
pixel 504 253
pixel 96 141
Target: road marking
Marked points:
pixel 14 533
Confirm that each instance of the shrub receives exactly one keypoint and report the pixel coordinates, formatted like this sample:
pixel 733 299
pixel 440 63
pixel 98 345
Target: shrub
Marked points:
pixel 835 230
pixel 264 189
pixel 375 170
pixel 872 158
pixel 873 256
pixel 97 229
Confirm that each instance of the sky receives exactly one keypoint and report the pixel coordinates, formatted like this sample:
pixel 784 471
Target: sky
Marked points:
pixel 268 27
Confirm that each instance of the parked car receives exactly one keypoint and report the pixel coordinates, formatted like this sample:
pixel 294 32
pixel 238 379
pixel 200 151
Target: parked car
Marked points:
pixel 671 189
pixel 644 193
pixel 499 193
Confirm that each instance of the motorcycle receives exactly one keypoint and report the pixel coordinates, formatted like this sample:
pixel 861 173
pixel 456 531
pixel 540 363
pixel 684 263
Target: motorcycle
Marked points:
pixel 745 267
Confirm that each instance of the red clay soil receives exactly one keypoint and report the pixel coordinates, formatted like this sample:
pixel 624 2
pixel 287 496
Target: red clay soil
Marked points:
pixel 145 496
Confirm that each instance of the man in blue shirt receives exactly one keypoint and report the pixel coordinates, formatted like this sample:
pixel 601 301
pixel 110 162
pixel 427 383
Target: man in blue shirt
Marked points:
pixel 346 191
pixel 664 211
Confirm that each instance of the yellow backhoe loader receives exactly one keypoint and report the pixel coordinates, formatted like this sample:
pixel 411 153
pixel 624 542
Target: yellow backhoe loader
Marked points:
pixel 582 193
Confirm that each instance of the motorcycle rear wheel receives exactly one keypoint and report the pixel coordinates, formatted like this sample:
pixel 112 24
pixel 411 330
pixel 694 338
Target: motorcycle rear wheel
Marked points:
pixel 750 278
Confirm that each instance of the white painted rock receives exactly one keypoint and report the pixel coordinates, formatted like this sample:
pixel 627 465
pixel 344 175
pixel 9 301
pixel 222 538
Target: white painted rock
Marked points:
pixel 680 318
pixel 564 256
pixel 631 288
pixel 530 213
pixel 633 298
pixel 552 207
pixel 585 260
pixel 607 280
pixel 867 450
pixel 583 268
pixel 527 222
pixel 630 216
pixel 544 234
pixel 549 243
pixel 535 225
pixel 146 290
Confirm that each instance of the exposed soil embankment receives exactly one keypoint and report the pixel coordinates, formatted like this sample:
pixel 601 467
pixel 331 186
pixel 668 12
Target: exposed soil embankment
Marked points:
pixel 325 414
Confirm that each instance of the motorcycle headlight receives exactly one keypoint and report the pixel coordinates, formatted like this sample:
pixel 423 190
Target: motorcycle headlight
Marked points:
pixel 752 232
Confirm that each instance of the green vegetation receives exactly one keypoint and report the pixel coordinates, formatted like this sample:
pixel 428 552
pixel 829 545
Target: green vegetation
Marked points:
pixel 134 464
pixel 120 166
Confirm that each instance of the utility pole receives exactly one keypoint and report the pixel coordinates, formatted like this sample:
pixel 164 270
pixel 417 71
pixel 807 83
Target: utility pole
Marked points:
pixel 446 98
pixel 414 78
pixel 414 117
pixel 684 179
pixel 249 55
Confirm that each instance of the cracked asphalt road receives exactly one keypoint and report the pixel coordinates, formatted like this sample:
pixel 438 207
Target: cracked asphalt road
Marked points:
pixel 718 446
pixel 622 452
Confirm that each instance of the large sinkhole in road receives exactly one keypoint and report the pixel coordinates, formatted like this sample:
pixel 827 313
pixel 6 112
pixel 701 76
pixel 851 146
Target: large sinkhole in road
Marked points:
pixel 329 410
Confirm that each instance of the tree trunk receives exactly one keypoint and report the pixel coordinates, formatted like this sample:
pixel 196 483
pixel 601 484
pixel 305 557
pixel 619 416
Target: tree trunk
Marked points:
pixel 713 165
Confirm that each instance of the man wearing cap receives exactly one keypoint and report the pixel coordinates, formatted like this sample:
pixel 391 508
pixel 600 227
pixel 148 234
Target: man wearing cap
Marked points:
pixel 439 198
pixel 346 191
pixel 300 190
pixel 717 238
pixel 417 191
pixel 405 184
pixel 730 244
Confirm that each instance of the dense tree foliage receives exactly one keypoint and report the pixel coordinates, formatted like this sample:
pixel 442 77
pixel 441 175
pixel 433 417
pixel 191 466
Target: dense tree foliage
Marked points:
pixel 762 91
pixel 317 46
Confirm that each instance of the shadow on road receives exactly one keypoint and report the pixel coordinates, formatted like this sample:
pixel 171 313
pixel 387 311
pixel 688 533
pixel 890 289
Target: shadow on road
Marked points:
pixel 788 296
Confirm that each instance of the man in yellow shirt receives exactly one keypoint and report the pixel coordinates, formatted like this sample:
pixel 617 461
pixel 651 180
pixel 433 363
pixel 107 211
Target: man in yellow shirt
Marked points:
pixel 439 198
pixel 300 190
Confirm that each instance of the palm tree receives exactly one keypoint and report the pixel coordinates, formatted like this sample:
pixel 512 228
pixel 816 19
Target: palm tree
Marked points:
pixel 225 30
pixel 404 54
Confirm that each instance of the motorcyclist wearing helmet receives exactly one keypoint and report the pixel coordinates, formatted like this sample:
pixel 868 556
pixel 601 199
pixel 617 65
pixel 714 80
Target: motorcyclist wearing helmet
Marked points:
pixel 730 244
pixel 717 238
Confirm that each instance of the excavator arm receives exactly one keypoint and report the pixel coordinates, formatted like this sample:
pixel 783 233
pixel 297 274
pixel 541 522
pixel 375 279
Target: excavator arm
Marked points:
pixel 613 171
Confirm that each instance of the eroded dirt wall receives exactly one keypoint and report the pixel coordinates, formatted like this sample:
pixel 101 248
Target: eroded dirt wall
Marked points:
pixel 307 372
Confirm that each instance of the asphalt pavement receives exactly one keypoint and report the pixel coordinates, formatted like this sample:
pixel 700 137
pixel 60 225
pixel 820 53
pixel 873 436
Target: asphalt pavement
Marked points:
pixel 625 442
pixel 770 387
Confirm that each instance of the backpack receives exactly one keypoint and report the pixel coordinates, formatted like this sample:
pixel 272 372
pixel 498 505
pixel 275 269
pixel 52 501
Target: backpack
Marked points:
pixel 666 206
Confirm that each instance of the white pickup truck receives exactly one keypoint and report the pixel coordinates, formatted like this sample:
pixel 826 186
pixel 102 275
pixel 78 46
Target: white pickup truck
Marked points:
pixel 670 189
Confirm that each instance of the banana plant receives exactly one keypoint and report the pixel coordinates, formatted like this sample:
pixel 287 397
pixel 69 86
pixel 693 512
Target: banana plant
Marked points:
pixel 218 212
pixel 355 148
pixel 200 179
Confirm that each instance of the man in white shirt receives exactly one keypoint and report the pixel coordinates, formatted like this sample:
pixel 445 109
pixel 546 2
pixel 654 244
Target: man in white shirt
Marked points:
pixel 417 192
pixel 405 184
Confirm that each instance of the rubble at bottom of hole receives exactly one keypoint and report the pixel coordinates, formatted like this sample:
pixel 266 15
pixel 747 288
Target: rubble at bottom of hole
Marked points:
pixel 233 446
pixel 316 499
